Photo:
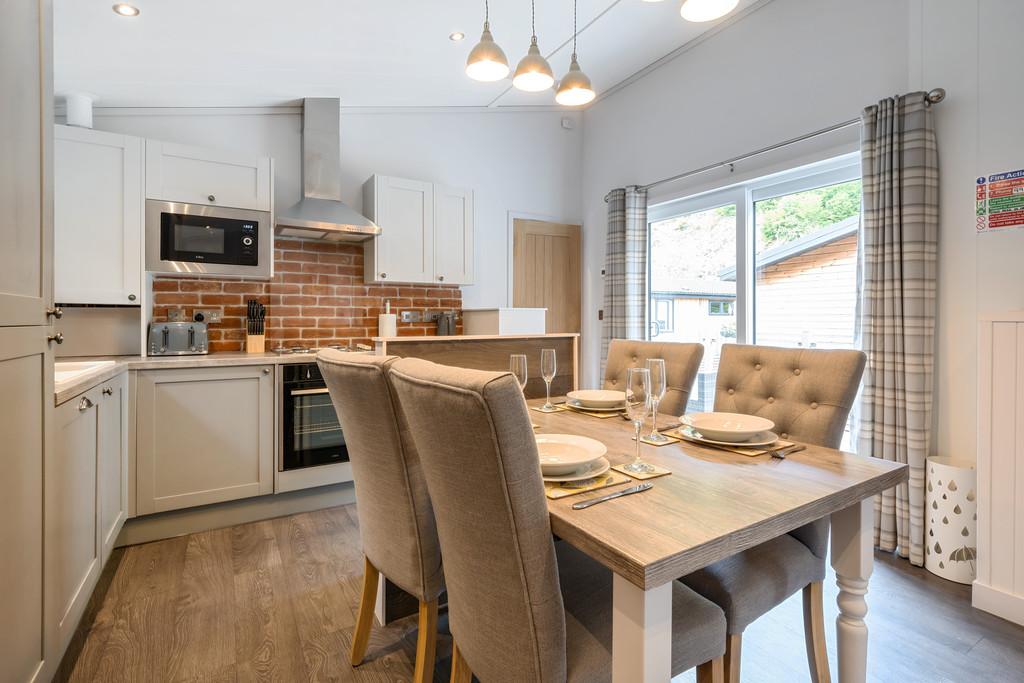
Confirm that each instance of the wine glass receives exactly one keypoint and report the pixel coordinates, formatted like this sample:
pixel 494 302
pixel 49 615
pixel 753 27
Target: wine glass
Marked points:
pixel 659 384
pixel 638 404
pixel 547 371
pixel 517 366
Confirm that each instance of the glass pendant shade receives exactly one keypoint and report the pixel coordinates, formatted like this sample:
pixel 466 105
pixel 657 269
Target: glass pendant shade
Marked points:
pixel 486 61
pixel 574 88
pixel 533 73
pixel 706 10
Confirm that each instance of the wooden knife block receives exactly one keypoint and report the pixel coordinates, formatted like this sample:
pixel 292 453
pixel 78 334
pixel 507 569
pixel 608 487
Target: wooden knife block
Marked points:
pixel 255 343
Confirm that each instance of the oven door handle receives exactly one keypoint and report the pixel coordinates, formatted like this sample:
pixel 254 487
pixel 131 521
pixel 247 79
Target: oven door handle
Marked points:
pixel 307 392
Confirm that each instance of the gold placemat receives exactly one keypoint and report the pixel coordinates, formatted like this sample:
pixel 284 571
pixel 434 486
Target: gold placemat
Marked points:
pixel 561 489
pixel 749 451
pixel 602 414
pixel 658 472
pixel 664 432
pixel 557 408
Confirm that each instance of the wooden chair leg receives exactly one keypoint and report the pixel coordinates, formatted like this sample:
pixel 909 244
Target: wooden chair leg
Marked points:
pixel 814 633
pixel 426 642
pixel 361 636
pixel 712 672
pixel 461 672
pixel 733 647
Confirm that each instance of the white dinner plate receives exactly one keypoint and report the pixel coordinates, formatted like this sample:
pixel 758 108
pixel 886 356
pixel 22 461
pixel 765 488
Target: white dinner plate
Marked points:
pixel 598 398
pixel 759 439
pixel 730 427
pixel 566 453
pixel 593 469
pixel 576 404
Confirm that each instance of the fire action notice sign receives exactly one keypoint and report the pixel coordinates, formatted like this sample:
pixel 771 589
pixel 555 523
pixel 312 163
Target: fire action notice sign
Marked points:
pixel 999 201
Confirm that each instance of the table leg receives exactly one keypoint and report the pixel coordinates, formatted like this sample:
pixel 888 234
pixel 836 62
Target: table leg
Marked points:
pixel 852 558
pixel 641 633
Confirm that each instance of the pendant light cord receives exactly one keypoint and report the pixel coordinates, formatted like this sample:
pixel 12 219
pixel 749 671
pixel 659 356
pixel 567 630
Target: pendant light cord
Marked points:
pixel 487 11
pixel 533 19
pixel 574 29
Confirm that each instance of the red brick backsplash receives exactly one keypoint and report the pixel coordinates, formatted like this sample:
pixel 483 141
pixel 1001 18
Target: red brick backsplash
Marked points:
pixel 317 297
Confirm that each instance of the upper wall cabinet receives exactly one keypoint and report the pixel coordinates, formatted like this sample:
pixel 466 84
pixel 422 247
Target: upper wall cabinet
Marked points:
pixel 426 232
pixel 98 209
pixel 181 173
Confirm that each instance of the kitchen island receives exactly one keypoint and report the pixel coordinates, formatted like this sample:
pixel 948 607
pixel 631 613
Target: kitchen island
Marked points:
pixel 491 352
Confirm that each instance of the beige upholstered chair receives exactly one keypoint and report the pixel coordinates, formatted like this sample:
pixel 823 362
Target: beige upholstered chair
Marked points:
pixel 681 364
pixel 808 393
pixel 510 617
pixel 396 521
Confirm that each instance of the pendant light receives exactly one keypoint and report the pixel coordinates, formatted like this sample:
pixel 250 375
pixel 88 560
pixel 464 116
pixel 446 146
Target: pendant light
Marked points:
pixel 574 88
pixel 533 73
pixel 706 10
pixel 486 61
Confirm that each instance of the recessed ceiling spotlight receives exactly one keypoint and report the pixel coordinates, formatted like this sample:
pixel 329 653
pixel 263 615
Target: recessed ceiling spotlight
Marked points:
pixel 126 10
pixel 456 36
pixel 706 10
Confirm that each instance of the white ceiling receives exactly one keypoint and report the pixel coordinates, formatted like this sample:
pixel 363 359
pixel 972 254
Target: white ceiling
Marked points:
pixel 372 53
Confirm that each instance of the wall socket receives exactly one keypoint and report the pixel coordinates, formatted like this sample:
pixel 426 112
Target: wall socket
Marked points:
pixel 411 316
pixel 209 316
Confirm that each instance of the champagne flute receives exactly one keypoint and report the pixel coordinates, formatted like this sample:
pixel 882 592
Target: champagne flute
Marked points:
pixel 659 385
pixel 638 404
pixel 517 366
pixel 547 371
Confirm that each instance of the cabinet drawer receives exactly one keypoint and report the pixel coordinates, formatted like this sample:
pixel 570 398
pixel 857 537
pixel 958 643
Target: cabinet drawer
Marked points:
pixel 181 173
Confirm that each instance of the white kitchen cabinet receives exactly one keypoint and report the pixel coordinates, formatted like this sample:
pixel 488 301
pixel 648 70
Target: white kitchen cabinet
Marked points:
pixel 205 435
pixel 195 175
pixel 72 516
pixel 112 459
pixel 426 232
pixel 98 217
pixel 453 235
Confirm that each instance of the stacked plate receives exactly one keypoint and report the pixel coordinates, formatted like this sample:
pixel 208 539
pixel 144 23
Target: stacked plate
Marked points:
pixel 567 457
pixel 728 429
pixel 599 400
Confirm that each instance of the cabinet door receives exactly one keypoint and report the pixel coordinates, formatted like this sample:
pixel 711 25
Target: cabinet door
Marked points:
pixel 98 209
pixel 405 247
pixel 181 173
pixel 26 156
pixel 26 404
pixel 453 235
pixel 72 519
pixel 113 461
pixel 205 435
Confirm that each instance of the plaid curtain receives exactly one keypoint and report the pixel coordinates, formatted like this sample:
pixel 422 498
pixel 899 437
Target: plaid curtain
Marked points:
pixel 625 270
pixel 899 245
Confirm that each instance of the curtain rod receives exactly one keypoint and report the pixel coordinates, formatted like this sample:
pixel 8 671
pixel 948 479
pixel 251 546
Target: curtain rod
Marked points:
pixel 934 97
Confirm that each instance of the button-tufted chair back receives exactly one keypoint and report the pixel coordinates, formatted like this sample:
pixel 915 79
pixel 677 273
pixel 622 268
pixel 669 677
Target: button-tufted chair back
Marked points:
pixel 808 393
pixel 681 364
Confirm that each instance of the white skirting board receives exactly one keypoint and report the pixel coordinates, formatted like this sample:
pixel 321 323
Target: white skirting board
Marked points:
pixel 997 602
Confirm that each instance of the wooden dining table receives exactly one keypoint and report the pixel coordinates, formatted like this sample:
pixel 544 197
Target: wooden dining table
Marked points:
pixel 715 504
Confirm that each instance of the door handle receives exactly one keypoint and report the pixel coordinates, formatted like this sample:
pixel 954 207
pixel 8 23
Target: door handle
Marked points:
pixel 55 312
pixel 85 403
pixel 59 338
pixel 107 391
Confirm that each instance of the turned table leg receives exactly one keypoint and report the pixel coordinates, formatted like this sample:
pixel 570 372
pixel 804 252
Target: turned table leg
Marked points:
pixel 852 534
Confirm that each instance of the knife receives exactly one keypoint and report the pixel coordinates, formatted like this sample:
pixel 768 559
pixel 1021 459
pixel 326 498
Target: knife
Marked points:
pixel 618 494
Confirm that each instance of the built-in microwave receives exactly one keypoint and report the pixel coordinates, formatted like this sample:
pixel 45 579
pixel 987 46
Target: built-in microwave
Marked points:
pixel 208 240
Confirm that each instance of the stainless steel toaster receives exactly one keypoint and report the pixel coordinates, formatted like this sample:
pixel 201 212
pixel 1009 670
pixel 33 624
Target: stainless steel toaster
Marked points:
pixel 177 339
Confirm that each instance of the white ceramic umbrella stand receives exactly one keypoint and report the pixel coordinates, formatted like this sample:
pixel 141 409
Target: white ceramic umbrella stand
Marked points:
pixel 952 514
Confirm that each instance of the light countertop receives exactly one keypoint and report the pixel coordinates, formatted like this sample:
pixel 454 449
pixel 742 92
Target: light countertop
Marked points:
pixel 473 337
pixel 86 381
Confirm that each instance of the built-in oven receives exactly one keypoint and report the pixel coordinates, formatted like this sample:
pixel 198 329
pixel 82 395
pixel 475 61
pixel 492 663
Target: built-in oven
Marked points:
pixel 208 240
pixel 311 433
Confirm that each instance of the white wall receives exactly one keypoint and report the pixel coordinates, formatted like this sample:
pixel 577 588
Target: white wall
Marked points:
pixel 522 161
pixel 789 68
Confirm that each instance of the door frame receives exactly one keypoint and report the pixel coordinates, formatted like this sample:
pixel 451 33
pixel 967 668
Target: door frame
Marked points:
pixel 510 246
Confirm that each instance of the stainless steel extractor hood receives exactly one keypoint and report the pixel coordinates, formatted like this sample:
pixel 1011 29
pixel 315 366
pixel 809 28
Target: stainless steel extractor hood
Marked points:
pixel 321 214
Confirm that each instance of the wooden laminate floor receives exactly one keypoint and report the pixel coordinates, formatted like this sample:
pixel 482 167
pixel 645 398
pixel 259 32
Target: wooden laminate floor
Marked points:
pixel 275 601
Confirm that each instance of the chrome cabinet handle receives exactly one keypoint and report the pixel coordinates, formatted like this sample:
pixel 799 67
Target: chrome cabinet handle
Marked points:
pixel 59 338
pixel 107 391
pixel 266 371
pixel 383 276
pixel 440 278
pixel 211 198
pixel 131 297
pixel 55 312
pixel 85 403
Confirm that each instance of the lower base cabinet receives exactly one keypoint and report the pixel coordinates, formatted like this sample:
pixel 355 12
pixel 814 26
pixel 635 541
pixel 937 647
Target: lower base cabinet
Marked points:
pixel 204 435
pixel 86 499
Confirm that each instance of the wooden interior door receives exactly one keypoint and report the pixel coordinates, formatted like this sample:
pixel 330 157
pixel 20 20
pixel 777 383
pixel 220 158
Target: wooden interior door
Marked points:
pixel 546 271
